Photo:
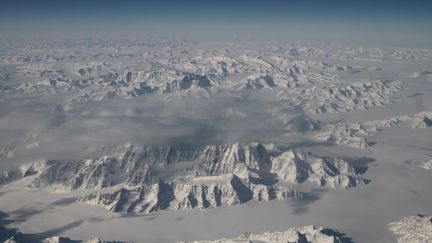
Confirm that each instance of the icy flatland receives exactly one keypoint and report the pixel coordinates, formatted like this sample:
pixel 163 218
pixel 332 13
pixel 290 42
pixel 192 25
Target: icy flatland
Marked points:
pixel 161 136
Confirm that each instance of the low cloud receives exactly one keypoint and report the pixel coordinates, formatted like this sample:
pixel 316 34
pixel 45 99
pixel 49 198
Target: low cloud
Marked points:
pixel 41 129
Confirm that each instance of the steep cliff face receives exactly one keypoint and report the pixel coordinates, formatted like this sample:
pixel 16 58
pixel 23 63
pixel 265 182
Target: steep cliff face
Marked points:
pixel 233 158
pixel 153 178
pixel 132 167
pixel 98 173
pixel 181 196
pixel 138 166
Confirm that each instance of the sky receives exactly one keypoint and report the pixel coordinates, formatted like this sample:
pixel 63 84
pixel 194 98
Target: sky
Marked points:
pixel 401 22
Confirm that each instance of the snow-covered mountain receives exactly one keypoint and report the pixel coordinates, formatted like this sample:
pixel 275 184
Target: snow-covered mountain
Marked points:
pixel 358 96
pixel 154 178
pixel 358 134
pixel 306 234
pixel 182 196
pixel 141 165
pixel 93 132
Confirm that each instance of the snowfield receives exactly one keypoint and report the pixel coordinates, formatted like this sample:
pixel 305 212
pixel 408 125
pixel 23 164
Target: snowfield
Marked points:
pixel 175 141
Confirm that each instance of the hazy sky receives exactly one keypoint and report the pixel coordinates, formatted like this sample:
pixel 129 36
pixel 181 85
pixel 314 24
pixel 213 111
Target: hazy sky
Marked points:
pixel 401 22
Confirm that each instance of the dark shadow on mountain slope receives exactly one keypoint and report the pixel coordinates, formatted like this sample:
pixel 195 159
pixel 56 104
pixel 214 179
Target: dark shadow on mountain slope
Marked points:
pixel 341 236
pixel 244 194
pixel 267 179
pixel 165 196
pixel 360 164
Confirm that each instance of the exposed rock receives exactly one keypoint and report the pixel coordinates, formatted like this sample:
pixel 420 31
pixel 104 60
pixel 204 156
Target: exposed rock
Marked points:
pixel 180 196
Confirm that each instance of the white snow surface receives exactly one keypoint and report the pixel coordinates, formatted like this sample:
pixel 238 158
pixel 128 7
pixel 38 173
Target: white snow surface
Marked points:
pixel 414 229
pixel 306 234
pixel 168 141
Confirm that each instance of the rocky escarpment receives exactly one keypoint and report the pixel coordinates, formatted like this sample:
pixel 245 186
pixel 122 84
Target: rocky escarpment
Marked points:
pixel 306 234
pixel 182 196
pixel 230 175
pixel 131 167
pixel 414 229
pixel 141 165
pixel 233 158
pixel 153 178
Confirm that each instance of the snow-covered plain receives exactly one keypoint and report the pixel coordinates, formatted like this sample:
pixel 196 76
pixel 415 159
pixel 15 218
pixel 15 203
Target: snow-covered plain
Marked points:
pixel 166 141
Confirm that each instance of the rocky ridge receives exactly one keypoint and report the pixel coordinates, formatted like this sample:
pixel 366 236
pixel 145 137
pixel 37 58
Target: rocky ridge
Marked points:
pixel 357 134
pixel 153 178
pixel 306 234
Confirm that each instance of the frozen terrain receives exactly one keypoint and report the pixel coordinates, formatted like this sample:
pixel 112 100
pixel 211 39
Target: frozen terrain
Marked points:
pixel 175 141
pixel 304 234
pixel 413 229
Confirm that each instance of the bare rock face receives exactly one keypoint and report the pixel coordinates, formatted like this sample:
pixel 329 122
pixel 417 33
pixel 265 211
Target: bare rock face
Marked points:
pixel 104 172
pixel 233 158
pixel 414 229
pixel 306 234
pixel 131 167
pixel 145 179
pixel 230 175
pixel 180 196
pixel 136 166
